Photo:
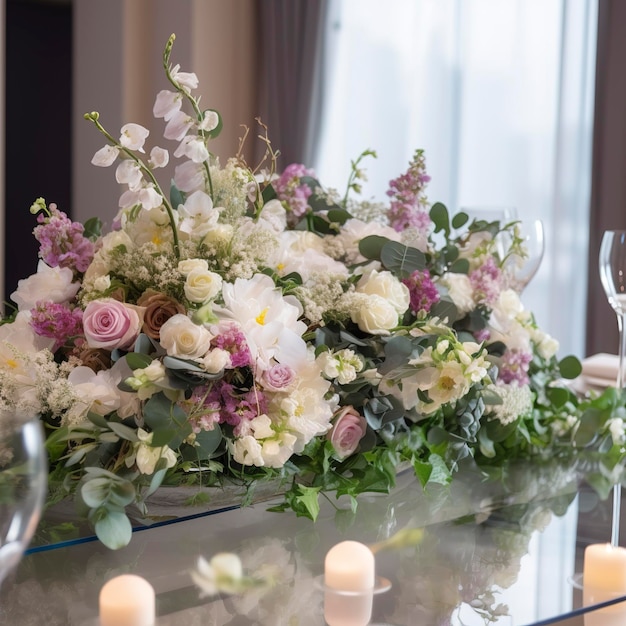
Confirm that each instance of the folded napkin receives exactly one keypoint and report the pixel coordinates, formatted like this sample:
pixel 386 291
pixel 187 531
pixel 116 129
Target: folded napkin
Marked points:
pixel 601 365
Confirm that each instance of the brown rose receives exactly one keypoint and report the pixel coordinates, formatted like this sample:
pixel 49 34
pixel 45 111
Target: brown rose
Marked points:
pixel 97 359
pixel 348 429
pixel 158 309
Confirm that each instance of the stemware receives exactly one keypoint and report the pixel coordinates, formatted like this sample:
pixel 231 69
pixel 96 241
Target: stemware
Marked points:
pixel 522 268
pixel 612 265
pixel 23 485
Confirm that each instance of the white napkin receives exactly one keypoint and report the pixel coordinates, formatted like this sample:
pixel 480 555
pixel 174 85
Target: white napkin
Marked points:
pixel 601 365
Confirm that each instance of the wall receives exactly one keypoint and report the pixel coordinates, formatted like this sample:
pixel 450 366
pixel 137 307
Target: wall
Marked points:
pixel 118 72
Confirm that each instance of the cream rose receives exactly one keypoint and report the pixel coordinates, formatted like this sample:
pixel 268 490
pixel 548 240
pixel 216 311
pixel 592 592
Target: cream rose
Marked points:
pixel 386 285
pixel 460 290
pixel 202 285
pixel 188 265
pixel 375 315
pixel 182 338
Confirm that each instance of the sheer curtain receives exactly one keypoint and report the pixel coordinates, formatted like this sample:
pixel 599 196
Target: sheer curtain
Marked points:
pixel 499 94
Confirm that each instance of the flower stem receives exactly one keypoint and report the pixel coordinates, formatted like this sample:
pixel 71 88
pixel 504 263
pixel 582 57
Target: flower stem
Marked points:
pixel 194 103
pixel 94 117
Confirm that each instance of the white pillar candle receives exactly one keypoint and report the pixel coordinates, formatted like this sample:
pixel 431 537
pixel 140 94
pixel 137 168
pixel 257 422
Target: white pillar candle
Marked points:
pixel 127 600
pixel 604 578
pixel 349 578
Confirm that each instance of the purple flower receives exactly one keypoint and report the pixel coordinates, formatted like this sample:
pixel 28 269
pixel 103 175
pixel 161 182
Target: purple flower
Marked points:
pixel 235 408
pixel 422 291
pixel 61 241
pixel 408 207
pixel 234 342
pixel 486 281
pixel 57 321
pixel 291 192
pixel 514 367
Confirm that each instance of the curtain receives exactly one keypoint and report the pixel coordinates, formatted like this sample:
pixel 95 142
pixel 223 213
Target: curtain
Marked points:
pixel 290 75
pixel 499 94
pixel 608 193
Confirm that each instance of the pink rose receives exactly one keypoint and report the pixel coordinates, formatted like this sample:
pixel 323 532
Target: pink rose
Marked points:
pixel 348 429
pixel 278 377
pixel 111 324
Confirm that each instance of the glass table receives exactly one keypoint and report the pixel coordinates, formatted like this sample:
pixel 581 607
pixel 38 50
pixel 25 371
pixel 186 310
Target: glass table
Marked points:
pixel 503 551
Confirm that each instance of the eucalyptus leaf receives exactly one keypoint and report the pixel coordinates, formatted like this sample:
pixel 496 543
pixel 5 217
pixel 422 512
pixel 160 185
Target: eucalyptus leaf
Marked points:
pixel 570 367
pixel 114 529
pixel 123 431
pixel 371 246
pixel 441 219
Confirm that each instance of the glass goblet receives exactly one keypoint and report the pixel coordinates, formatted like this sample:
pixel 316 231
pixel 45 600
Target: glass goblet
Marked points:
pixel 23 486
pixel 612 265
pixel 523 266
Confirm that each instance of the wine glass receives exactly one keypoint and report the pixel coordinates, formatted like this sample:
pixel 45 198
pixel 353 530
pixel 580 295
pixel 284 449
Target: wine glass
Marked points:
pixel 612 264
pixel 522 267
pixel 23 486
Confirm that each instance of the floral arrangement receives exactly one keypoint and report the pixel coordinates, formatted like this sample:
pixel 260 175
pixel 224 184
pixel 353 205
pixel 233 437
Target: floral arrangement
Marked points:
pixel 251 325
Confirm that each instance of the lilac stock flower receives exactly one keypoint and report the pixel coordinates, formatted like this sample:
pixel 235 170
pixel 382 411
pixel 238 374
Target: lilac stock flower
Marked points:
pixel 62 243
pixel 233 341
pixel 486 281
pixel 235 409
pixel 408 204
pixel 290 191
pixel 57 321
pixel 422 291
pixel 514 367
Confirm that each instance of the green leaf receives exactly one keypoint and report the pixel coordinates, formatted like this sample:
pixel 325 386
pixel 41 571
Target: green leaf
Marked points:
pixel 558 396
pixel 167 420
pixel 137 361
pixel 99 491
pixel 423 471
pixel 570 367
pixel 92 228
pixel 268 193
pixel 114 529
pixel 176 196
pixel 371 247
pixel 460 266
pixel 207 442
pixel 459 220
pixel 402 260
pixel 309 498
pixel 439 216
pixel 123 431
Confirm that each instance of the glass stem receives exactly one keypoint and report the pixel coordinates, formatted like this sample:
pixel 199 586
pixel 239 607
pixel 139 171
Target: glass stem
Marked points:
pixel 621 378
pixel 621 383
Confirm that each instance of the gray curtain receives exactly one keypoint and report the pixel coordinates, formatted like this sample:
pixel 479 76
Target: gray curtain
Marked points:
pixel 290 75
pixel 608 187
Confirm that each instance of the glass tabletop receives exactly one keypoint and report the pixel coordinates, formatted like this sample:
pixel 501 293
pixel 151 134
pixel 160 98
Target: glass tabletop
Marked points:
pixel 505 551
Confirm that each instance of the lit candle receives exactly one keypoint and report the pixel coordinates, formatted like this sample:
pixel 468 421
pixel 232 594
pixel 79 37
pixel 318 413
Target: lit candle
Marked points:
pixel 349 580
pixel 604 578
pixel 127 600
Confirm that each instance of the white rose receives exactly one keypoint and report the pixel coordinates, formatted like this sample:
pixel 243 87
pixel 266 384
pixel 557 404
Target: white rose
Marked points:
pixel 219 235
pixel 182 338
pixel 460 290
pixel 188 265
pixel 202 285
pixel 386 285
pixel 52 284
pixel 102 283
pixel 547 346
pixel 509 304
pixel 376 316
